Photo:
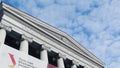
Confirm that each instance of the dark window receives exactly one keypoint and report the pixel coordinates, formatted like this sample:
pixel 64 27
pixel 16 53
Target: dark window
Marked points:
pixel 52 58
pixel 80 66
pixel 13 39
pixel 1 13
pixel 34 49
pixel 68 63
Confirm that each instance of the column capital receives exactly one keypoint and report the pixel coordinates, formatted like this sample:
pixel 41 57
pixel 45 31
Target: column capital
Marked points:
pixel 62 56
pixel 86 67
pixel 74 66
pixel 29 39
pixel 61 63
pixel 8 28
pixel 75 62
pixel 46 47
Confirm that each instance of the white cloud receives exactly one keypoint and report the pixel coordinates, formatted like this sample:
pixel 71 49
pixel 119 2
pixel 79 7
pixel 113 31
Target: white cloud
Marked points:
pixel 57 15
pixel 114 65
pixel 44 3
pixel 114 49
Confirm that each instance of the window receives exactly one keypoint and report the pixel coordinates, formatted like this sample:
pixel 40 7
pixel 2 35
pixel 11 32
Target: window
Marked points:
pixel 34 49
pixel 80 66
pixel 13 39
pixel 68 63
pixel 52 58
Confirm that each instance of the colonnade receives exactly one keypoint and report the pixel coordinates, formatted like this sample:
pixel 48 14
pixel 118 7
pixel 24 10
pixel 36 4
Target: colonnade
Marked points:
pixel 24 47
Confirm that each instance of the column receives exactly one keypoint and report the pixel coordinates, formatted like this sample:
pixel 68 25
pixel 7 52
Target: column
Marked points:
pixel 2 35
pixel 24 45
pixel 61 61
pixel 87 67
pixel 74 66
pixel 44 55
pixel 3 30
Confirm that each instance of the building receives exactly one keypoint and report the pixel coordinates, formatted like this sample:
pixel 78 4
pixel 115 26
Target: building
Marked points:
pixel 26 42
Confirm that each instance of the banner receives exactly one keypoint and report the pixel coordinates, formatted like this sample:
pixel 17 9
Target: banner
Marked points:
pixel 12 58
pixel 51 66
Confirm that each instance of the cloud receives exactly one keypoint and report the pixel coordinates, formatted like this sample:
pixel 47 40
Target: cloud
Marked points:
pixel 93 23
pixel 114 64
pixel 57 14
pixel 114 49
pixel 44 3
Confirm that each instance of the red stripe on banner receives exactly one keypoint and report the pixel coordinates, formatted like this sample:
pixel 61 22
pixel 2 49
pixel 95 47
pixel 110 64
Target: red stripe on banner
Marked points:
pixel 51 66
pixel 12 59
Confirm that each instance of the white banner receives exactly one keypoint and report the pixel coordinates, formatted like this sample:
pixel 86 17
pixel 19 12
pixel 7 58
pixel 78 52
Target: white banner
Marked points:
pixel 12 58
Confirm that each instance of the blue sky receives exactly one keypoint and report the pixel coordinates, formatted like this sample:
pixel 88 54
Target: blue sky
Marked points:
pixel 93 23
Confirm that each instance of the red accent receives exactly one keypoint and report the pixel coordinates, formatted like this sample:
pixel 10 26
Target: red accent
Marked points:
pixel 51 66
pixel 12 59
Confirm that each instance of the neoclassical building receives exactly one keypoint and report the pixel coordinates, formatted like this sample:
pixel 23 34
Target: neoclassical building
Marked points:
pixel 31 43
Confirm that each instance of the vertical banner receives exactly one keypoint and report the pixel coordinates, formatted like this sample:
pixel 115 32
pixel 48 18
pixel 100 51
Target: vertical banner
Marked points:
pixel 51 66
pixel 12 58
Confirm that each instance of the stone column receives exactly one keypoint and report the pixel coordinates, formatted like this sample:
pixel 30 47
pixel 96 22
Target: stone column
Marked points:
pixel 3 31
pixel 2 35
pixel 88 67
pixel 44 53
pixel 74 66
pixel 61 61
pixel 24 45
